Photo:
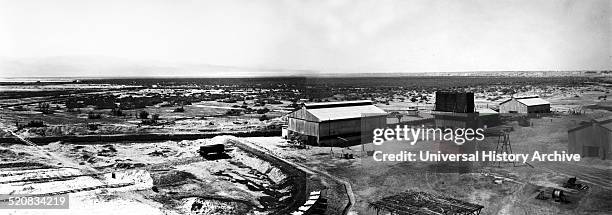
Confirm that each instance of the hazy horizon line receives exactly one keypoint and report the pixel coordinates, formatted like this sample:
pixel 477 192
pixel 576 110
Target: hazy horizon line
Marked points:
pixel 328 75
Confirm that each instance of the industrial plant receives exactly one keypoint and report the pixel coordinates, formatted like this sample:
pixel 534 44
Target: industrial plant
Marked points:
pixel 302 107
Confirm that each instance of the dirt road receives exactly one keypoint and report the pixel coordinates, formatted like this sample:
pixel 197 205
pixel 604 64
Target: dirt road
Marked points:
pixel 590 175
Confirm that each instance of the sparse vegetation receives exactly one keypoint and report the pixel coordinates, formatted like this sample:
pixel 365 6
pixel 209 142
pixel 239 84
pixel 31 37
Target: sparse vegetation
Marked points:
pixel 263 110
pixel 45 108
pixel 143 115
pixel 35 124
pixel 117 112
pixel 92 115
pixel 233 112
pixel 179 110
pixel 263 118
pixel 93 126
pixel 211 106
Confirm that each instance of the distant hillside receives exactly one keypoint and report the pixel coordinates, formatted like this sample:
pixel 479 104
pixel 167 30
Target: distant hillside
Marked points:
pixel 480 73
pixel 105 67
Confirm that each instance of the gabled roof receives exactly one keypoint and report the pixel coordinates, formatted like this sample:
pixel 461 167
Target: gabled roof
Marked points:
pixel 507 100
pixel 486 111
pixel 605 122
pixel 603 119
pixel 528 100
pixel 337 104
pixel 350 112
pixel 607 126
pixel 533 101
pixel 526 97
pixel 580 127
pixel 329 111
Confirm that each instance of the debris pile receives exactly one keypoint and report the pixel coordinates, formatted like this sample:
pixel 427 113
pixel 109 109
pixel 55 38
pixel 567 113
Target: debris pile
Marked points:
pixel 414 202
pixel 203 206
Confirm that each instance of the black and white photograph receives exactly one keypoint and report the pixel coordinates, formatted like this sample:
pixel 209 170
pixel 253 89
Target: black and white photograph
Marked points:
pixel 306 107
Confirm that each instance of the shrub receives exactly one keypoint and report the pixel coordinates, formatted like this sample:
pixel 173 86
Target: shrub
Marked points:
pixel 93 127
pixel 143 115
pixel 92 115
pixel 233 112
pixel 35 123
pixel 263 111
pixel 179 110
pixel 45 108
pixel 117 112
pixel 263 118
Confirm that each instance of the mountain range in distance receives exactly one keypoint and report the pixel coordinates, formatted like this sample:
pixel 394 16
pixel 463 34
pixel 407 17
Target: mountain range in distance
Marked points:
pixel 105 67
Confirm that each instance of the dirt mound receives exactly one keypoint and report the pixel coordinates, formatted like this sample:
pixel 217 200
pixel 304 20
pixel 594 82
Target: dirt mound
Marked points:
pixel 163 152
pixel 126 165
pixel 24 165
pixel 107 151
pixel 172 177
pixel 275 174
pixel 212 206
pixel 55 146
pixel 10 155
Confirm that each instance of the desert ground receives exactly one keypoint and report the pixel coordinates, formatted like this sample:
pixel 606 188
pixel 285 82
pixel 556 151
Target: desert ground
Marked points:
pixel 262 173
pixel 472 182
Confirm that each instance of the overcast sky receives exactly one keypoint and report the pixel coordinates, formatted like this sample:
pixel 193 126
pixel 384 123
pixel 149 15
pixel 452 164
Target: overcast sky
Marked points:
pixel 324 35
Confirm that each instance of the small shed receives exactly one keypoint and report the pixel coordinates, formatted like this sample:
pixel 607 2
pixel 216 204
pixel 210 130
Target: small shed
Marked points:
pixel 488 117
pixel 525 105
pixel 592 139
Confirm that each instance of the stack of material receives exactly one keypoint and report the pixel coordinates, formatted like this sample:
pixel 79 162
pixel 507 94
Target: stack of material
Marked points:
pixel 413 202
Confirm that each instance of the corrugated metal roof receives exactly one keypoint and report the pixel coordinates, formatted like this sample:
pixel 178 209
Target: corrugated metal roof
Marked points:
pixel 603 119
pixel 486 111
pixel 337 104
pixel 526 97
pixel 580 127
pixel 348 112
pixel 607 126
pixel 533 101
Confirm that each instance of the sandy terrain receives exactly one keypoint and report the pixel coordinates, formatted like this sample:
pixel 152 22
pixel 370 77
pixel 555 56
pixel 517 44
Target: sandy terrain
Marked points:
pixel 154 178
pixel 373 180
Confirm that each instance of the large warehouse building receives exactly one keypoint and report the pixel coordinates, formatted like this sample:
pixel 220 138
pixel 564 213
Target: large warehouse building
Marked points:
pixel 336 123
pixel 525 105
pixel 592 139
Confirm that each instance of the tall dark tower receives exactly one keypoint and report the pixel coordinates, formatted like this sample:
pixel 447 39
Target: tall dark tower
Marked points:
pixel 504 146
pixel 456 102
